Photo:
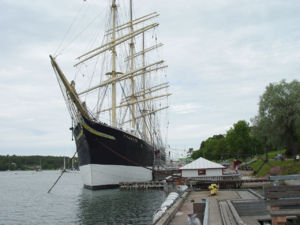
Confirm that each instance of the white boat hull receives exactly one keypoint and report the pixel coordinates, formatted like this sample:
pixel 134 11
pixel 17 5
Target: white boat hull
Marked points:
pixel 97 176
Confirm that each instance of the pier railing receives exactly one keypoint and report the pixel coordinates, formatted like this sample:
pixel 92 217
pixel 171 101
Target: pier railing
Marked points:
pixel 234 176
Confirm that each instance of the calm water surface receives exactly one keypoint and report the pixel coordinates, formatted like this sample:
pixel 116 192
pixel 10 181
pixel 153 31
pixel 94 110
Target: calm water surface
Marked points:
pixel 24 200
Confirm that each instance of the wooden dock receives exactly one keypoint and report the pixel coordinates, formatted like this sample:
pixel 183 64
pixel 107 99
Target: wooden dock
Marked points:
pixel 191 183
pixel 221 210
pixel 224 184
pixel 227 215
pixel 142 185
pixel 242 206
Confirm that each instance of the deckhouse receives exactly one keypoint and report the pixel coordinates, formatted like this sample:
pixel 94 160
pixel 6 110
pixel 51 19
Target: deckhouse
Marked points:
pixel 201 168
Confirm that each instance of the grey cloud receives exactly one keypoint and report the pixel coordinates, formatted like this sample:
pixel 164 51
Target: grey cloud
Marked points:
pixel 221 55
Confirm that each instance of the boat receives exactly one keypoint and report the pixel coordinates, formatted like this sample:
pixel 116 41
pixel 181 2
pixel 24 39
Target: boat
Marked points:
pixel 117 116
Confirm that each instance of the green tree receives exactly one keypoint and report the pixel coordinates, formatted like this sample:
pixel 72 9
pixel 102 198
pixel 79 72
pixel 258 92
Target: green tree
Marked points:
pixel 240 143
pixel 213 148
pixel 190 152
pixel 278 117
pixel 197 154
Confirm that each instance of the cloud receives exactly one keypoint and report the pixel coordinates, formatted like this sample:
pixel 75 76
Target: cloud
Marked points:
pixel 185 108
pixel 221 55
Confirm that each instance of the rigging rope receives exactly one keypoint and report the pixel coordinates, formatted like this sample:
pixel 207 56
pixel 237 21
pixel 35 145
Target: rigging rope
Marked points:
pixel 68 30
pixel 79 33
pixel 125 158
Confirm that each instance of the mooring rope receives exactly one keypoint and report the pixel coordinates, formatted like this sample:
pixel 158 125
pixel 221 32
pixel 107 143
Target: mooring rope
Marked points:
pixel 62 172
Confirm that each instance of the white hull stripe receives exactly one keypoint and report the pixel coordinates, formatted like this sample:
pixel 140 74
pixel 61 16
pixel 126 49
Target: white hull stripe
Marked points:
pixel 97 175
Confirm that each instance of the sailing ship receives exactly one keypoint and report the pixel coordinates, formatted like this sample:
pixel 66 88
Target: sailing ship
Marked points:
pixel 116 118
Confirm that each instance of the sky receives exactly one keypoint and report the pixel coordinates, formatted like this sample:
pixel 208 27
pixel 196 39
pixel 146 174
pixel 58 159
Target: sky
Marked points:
pixel 220 54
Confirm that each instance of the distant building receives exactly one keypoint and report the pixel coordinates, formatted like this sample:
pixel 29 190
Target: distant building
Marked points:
pixel 201 168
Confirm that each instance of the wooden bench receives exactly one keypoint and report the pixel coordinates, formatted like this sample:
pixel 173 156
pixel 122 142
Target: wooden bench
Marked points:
pixel 283 201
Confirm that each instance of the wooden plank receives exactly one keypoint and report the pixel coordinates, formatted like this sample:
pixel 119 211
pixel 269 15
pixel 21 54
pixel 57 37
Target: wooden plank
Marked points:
pixel 226 214
pixel 246 195
pixel 236 216
pixel 285 177
pixel 285 194
pixel 277 192
pixel 206 213
pixel 256 194
pixel 282 202
pixel 285 212
pixel 281 188
pixel 251 208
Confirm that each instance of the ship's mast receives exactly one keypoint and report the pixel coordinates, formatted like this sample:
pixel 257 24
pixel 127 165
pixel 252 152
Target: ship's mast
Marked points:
pixel 132 69
pixel 70 90
pixel 144 91
pixel 113 73
pixel 150 129
pixel 134 97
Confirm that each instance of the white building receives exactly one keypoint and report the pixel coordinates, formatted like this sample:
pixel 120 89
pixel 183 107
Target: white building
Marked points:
pixel 202 168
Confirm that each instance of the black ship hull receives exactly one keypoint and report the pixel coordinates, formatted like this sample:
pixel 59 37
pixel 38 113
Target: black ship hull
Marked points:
pixel 108 156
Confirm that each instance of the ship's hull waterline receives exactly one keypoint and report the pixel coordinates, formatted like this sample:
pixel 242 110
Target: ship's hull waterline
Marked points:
pixel 108 156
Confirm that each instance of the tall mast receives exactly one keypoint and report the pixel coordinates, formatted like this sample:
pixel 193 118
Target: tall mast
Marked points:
pixel 132 69
pixel 113 73
pixel 150 123
pixel 144 90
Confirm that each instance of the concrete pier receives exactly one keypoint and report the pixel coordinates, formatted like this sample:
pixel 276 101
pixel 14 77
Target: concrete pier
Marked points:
pixel 171 212
pixel 278 203
pixel 221 207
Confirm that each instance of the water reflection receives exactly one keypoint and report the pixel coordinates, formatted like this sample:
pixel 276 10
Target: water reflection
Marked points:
pixel 118 207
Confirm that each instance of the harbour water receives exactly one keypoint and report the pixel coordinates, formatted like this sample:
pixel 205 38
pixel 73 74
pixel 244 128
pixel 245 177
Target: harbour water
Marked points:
pixel 24 200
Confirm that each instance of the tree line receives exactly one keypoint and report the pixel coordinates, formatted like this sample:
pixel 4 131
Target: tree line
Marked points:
pixel 14 162
pixel 275 127
pixel 237 143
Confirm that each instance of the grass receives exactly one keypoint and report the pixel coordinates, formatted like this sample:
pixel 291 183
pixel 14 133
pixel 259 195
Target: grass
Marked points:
pixel 292 168
pixel 272 155
pixel 287 167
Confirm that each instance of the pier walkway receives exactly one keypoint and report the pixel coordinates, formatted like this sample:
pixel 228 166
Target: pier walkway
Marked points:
pixel 221 209
pixel 278 203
